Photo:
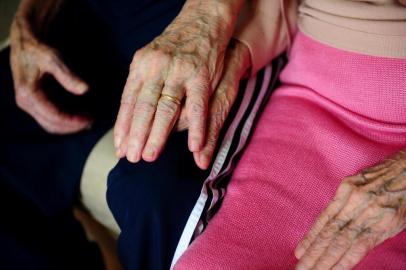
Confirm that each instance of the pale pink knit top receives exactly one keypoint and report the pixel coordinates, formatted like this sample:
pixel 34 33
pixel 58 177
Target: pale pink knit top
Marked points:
pixel 374 27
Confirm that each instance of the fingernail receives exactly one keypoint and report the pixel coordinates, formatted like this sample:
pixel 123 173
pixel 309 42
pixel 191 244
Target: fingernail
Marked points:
pixel 194 146
pixel 133 158
pixel 82 87
pixel 204 160
pixel 149 154
pixel 201 160
pixel 301 266
pixel 133 154
pixel 299 252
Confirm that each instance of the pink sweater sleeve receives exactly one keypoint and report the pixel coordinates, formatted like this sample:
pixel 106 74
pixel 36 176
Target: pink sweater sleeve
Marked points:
pixel 266 27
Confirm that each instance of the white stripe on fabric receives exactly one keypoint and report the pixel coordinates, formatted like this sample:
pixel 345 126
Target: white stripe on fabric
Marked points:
pixel 189 227
pixel 197 211
pixel 195 224
pixel 246 129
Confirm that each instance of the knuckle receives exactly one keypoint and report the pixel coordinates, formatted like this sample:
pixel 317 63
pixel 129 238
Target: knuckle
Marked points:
pixel 167 107
pixel 369 239
pixel 340 223
pixel 346 180
pixel 222 108
pixel 47 57
pixel 350 180
pixel 310 236
pixel 344 186
pixel 139 52
pixel 223 100
pixel 338 244
pixel 159 54
pixel 228 83
pixel 200 86
pixel 31 47
pixel 188 65
pixel 355 229
pixel 357 196
pixel 154 90
pixel 143 107
pixel 197 109
pixel 135 60
pixel 137 55
pixel 324 235
pixel 126 101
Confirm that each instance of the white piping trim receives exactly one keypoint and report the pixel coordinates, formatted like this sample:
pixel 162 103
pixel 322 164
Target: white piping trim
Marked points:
pixel 197 211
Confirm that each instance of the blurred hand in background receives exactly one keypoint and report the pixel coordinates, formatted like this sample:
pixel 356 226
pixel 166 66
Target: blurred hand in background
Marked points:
pixel 31 60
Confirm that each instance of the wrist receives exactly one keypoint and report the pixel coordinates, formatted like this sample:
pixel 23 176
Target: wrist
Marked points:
pixel 220 16
pixel 36 15
pixel 227 10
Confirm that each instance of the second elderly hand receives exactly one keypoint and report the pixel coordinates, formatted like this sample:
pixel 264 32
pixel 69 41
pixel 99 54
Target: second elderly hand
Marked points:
pixel 184 62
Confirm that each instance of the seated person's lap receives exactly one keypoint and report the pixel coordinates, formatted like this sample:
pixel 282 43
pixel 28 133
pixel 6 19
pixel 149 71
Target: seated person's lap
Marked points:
pixel 39 180
pixel 274 196
pixel 151 202
pixel 154 198
pixel 45 168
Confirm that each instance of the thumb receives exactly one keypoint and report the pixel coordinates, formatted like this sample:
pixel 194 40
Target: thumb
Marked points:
pixel 53 65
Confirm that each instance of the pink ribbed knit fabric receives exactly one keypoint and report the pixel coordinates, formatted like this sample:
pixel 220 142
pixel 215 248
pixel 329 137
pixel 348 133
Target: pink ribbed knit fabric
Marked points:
pixel 336 113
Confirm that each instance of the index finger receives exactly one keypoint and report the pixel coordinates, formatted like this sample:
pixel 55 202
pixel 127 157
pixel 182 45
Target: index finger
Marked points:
pixel 338 202
pixel 52 64
pixel 51 118
pixel 144 111
pixel 125 114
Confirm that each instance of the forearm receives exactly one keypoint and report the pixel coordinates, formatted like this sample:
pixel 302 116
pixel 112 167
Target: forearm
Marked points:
pixel 36 15
pixel 265 27
pixel 213 19
pixel 220 15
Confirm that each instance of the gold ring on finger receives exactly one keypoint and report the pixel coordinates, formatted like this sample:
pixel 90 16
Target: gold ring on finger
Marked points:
pixel 171 98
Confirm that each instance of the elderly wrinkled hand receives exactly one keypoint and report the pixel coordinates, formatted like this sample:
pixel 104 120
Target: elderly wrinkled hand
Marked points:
pixel 236 63
pixel 367 209
pixel 31 60
pixel 184 63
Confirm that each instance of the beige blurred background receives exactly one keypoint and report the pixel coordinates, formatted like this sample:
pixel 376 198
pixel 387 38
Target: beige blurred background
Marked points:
pixel 7 9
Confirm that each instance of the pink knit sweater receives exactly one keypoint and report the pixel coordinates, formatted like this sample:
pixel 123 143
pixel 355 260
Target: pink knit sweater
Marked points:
pixel 376 27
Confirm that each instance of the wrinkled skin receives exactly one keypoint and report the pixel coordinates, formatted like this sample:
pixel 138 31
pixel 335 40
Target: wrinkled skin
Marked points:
pixel 31 60
pixel 367 209
pixel 236 63
pixel 185 62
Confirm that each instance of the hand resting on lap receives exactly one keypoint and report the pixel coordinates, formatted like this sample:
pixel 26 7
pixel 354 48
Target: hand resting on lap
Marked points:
pixel 367 209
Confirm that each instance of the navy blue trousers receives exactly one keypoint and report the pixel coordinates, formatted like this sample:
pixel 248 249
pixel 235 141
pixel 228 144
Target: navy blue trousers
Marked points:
pixel 151 203
pixel 40 172
pixel 39 184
